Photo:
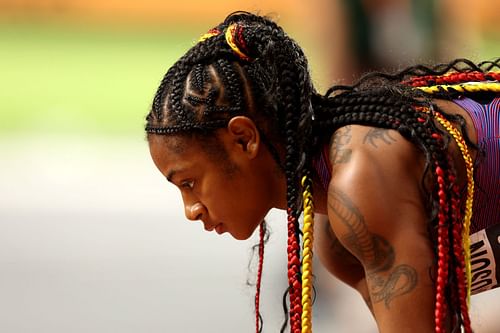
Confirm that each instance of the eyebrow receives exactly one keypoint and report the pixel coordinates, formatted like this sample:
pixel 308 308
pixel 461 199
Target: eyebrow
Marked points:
pixel 171 174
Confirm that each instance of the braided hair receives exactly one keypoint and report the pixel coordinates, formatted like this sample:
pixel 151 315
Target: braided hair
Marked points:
pixel 248 65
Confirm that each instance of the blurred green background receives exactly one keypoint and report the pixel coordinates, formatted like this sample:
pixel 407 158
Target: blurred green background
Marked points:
pixel 90 67
pixel 70 72
pixel 69 78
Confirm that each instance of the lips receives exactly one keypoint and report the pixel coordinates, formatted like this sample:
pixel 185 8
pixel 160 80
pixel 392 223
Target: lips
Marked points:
pixel 219 228
pixel 209 227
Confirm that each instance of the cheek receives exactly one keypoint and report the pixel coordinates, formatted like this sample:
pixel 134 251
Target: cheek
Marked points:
pixel 240 203
pixel 248 213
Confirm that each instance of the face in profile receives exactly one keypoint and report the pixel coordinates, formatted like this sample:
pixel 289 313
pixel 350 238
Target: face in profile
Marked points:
pixel 227 186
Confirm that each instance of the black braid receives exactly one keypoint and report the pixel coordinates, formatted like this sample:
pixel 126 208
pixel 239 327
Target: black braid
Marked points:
pixel 199 77
pixel 231 82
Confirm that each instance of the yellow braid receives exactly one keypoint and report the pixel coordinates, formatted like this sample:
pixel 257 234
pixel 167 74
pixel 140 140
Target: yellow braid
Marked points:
pixel 307 255
pixel 469 165
pixel 463 87
pixel 208 35
pixel 230 41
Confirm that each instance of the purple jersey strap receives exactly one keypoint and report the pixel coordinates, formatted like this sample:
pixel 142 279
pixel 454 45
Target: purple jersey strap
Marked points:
pixel 486 119
pixel 323 167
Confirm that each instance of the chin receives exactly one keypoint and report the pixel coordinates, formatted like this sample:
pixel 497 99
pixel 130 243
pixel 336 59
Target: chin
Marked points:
pixel 242 234
pixel 240 237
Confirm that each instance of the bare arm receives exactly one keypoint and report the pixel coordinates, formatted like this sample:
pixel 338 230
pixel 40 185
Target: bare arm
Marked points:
pixel 376 211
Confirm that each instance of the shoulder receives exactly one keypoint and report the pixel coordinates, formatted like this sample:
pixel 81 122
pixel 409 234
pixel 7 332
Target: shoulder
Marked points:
pixel 376 174
pixel 372 149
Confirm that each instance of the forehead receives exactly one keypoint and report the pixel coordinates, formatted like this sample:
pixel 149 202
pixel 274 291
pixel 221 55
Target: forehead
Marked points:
pixel 169 143
pixel 173 155
pixel 179 152
pixel 168 151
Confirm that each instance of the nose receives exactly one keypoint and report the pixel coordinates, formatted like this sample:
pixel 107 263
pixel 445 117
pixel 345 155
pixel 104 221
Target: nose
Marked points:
pixel 194 211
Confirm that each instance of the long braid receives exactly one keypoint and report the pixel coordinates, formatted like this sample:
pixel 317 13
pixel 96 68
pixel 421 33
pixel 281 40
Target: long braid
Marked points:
pixel 458 253
pixel 258 318
pixel 289 97
pixel 256 41
pixel 294 91
pixel 443 246
pixel 307 254
pixel 291 159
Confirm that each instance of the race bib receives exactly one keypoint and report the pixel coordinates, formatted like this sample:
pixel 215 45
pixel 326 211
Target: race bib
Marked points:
pixel 485 259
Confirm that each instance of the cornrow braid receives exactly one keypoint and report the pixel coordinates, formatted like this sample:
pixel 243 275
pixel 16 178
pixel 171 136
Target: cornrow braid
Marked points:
pixel 231 82
pixel 199 77
pixel 176 129
pixel 197 54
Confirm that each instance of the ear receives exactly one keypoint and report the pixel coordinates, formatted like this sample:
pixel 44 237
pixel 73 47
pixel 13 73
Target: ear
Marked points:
pixel 244 134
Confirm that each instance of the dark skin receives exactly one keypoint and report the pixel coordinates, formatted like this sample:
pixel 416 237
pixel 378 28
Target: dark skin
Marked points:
pixel 375 238
pixel 371 236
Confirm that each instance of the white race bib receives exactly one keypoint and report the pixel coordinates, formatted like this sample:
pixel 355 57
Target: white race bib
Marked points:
pixel 485 259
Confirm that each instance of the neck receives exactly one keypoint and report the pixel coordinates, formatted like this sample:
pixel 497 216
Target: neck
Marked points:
pixel 320 195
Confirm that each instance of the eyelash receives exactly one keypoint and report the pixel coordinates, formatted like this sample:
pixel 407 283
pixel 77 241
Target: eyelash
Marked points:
pixel 189 184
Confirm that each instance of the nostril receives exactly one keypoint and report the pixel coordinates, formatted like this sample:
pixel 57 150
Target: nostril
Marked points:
pixel 194 212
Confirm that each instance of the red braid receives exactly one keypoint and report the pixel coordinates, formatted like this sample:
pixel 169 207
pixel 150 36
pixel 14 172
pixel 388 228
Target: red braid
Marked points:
pixel 452 78
pixel 449 220
pixel 294 282
pixel 258 327
pixel 443 245
pixel 459 254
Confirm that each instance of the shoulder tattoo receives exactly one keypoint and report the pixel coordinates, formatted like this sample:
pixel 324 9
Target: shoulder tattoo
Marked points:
pixel 338 150
pixel 375 135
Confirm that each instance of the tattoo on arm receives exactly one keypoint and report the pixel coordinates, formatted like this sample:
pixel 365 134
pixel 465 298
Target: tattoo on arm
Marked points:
pixel 339 152
pixel 385 281
pixel 401 280
pixel 378 134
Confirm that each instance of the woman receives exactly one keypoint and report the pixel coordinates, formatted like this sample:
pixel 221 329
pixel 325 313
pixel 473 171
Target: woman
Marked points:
pixel 237 125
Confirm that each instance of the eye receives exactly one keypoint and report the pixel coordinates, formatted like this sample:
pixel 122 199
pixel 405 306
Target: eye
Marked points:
pixel 187 184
